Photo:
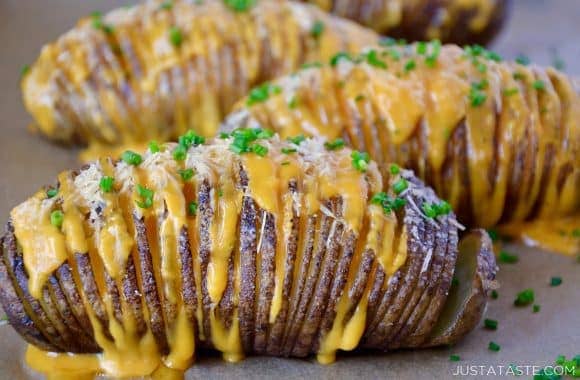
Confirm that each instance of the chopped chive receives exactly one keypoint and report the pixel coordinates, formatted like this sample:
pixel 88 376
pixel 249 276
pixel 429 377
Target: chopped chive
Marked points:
pixel 338 57
pixel 400 186
pixel 493 234
pixel 576 232
pixel 494 346
pixel 106 184
pixel 359 97
pixel 454 281
pixel 507 258
pixel 224 135
pixel 190 138
pixel 179 153
pixel 433 210
pixel 360 160
pixel 284 163
pixel 146 196
pixel 220 193
pixel 52 192
pixel 175 36
pixel 192 208
pixel 518 76
pixel 523 60
pixel 494 294
pixel 131 158
pixel 481 85
pixel 410 65
pixel 387 203
pixel 260 150
pixel 454 358
pixel 154 147
pixel 490 324
pixel 261 93
pixel 317 29
pixel 394 169
pixel 335 144
pixel 24 70
pixel 293 103
pixel 555 281
pixel 524 298
pixel 297 139
pixel 240 5
pixel 476 97
pixel 289 150
pixel 56 218
pixel 373 60
pixel 421 47
pixel 539 85
pixel 186 174
pixel 536 308
pixel 310 65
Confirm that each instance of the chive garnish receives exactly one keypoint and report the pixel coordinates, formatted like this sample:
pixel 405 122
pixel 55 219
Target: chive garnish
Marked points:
pixel 289 150
pixel 454 358
pixel 192 208
pixel 400 186
pixel 338 57
pixel 494 294
pixel 433 210
pixel 373 59
pixel 175 36
pixel 261 93
pixel 490 324
pixel 131 158
pixel 494 346
pixel 555 281
pixel 539 85
pixel 387 203
pixel 52 192
pixel 510 91
pixel 394 169
pixel 335 144
pixel 524 298
pixel 146 196
pixel 507 258
pixel 536 308
pixel 240 5
pixel 56 218
pixel 410 65
pixel 186 174
pixel 179 153
pixel 297 139
pixel 106 184
pixel 360 160
pixel 523 60
pixel 317 29
pixel 154 147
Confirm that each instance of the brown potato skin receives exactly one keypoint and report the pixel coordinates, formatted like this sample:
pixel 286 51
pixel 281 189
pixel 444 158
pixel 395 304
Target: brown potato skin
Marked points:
pixel 403 308
pixel 417 17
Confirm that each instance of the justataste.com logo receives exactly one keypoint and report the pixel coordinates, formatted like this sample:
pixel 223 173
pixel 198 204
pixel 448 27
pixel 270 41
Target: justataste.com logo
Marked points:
pixel 512 370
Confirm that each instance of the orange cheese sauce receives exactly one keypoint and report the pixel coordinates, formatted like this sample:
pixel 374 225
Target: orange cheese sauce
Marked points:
pixel 157 72
pixel 500 141
pixel 100 223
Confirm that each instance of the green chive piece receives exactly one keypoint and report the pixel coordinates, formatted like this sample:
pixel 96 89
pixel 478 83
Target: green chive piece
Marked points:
pixel 284 163
pixel 186 174
pixel 454 358
pixel 359 97
pixel 220 193
pixel 289 150
pixel 400 186
pixel 536 308
pixel 490 324
pixel 293 103
pixel 387 203
pixel 261 93
pixel 507 258
pixel 192 208
pixel 518 76
pixel 334 144
pixel 52 192
pixel 154 147
pixel 476 97
pixel 454 281
pixel 494 294
pixel 310 65
pixel 224 135
pixel 493 234
pixel 179 153
pixel 24 70
pixel 175 36
pixel 360 160
pixel 576 232
pixel 317 29
pixel 394 169
pixel 131 158
pixel 260 150
pixel 494 346
pixel 56 218
pixel 374 60
pixel 539 85
pixel 555 281
pixel 410 65
pixel 296 139
pixel 240 5
pixel 523 60
pixel 421 47
pixel 106 184
pixel 146 196
pixel 340 56
pixel 524 298
pixel 434 210
pixel 190 138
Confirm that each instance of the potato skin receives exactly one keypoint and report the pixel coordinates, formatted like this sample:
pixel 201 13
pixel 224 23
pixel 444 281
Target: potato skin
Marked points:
pixel 326 262
pixel 129 84
pixel 450 21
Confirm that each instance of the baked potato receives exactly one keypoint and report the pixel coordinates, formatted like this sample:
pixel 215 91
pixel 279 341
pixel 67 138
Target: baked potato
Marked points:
pixel 451 21
pixel 499 140
pixel 157 69
pixel 245 244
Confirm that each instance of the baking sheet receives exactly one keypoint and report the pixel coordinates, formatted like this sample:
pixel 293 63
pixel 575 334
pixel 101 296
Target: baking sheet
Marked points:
pixel 544 30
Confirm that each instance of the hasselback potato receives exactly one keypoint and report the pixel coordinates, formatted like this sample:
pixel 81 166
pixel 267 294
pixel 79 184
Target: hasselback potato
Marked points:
pixel 157 69
pixel 453 21
pixel 500 141
pixel 246 244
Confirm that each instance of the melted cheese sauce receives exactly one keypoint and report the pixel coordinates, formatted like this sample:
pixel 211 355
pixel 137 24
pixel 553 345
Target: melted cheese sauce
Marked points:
pixel 100 224
pixel 132 85
pixel 500 141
